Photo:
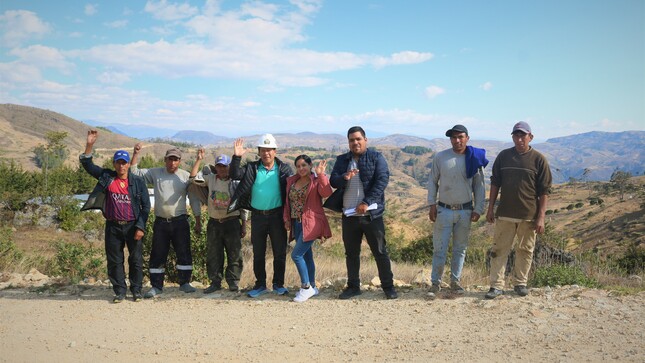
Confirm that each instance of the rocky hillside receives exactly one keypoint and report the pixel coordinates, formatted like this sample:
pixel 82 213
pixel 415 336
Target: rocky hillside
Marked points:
pixel 585 157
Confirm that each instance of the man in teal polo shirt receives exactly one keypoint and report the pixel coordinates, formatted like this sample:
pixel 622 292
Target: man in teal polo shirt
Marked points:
pixel 262 190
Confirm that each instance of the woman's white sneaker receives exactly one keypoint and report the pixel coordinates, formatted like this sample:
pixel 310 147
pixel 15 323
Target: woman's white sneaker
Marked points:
pixel 304 294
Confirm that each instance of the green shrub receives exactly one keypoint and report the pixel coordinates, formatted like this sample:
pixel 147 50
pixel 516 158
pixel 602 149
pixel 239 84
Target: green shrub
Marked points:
pixel 76 261
pixel 633 261
pixel 579 205
pixel 69 214
pixel 419 251
pixel 9 253
pixel 570 207
pixel 559 274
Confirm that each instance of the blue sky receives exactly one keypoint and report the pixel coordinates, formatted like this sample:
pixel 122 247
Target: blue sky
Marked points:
pixel 238 68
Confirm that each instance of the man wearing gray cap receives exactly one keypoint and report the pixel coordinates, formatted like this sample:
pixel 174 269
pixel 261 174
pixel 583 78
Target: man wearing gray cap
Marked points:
pixel 523 177
pixel 457 176
pixel 171 225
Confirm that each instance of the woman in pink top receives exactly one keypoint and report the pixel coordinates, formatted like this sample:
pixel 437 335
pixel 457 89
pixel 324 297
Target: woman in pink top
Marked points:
pixel 305 219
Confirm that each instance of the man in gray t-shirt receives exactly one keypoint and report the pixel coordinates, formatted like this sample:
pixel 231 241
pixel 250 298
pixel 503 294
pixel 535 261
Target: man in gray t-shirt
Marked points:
pixel 457 177
pixel 171 225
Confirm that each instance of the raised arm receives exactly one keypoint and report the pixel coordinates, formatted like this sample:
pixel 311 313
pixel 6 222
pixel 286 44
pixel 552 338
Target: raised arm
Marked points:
pixel 135 154
pixel 198 161
pixel 92 135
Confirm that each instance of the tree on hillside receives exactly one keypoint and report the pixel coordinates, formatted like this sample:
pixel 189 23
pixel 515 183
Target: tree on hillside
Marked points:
pixel 52 155
pixel 620 179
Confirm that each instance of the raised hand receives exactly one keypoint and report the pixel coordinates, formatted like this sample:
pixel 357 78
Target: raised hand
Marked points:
pixel 92 135
pixel 350 174
pixel 137 148
pixel 322 166
pixel 238 147
pixel 198 161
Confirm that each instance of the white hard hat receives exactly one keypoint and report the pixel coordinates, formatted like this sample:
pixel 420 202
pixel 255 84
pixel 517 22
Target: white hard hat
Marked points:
pixel 267 141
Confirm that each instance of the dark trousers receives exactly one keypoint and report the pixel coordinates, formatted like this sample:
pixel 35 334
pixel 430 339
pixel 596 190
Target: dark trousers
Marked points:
pixel 165 233
pixel 222 237
pixel 354 228
pixel 270 225
pixel 117 236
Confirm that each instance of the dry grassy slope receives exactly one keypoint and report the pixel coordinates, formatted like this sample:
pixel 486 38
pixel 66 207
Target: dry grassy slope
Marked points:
pixel 610 228
pixel 24 128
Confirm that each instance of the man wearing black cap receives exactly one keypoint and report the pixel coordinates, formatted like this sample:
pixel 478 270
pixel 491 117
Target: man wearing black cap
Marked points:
pixel 523 177
pixel 457 176
pixel 171 220
pixel 123 199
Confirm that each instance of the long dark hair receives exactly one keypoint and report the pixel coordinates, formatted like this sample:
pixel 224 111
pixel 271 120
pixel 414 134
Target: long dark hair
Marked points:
pixel 304 157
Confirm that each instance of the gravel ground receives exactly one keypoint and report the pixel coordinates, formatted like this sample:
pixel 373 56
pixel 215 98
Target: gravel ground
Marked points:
pixel 80 324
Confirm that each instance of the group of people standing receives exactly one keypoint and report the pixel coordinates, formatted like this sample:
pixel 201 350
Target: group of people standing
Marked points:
pixel 285 206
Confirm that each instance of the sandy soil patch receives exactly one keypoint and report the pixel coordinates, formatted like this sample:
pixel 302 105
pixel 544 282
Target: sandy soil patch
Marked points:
pixel 80 324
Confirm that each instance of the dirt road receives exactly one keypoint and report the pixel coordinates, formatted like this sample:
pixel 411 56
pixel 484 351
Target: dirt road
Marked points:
pixel 80 324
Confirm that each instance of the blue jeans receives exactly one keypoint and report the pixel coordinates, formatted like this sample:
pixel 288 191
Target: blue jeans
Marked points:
pixel 455 223
pixel 303 256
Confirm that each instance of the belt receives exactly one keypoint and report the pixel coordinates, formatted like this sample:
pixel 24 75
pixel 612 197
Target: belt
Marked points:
pixel 467 205
pixel 119 222
pixel 172 219
pixel 268 211
pixel 225 219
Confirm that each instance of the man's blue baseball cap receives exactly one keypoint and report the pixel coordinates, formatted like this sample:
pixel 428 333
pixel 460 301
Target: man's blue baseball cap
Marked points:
pixel 121 155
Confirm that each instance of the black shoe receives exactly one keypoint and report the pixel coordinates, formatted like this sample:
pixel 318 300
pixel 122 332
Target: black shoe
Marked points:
pixel 493 293
pixel 233 288
pixel 390 293
pixel 349 293
pixel 456 288
pixel 137 296
pixel 521 290
pixel 118 299
pixel 212 288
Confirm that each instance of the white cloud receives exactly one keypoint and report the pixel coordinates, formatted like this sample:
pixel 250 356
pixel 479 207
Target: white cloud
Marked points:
pixel 162 10
pixel 254 41
pixel 114 78
pixel 401 58
pixel 18 26
pixel 43 57
pixel 486 86
pixel 434 91
pixel 16 75
pixel 91 9
pixel 308 6
pixel 116 24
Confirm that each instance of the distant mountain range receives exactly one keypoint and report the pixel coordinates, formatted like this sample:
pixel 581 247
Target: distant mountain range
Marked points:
pixel 597 153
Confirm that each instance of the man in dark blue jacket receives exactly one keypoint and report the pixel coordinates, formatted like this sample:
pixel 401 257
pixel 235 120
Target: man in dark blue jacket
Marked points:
pixel 123 199
pixel 362 174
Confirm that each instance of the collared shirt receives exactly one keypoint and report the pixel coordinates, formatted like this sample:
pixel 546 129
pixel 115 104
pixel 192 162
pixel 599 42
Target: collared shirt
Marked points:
pixel 354 193
pixel 265 193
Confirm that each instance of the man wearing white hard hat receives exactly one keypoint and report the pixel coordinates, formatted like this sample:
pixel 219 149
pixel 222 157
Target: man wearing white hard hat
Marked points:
pixel 262 190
